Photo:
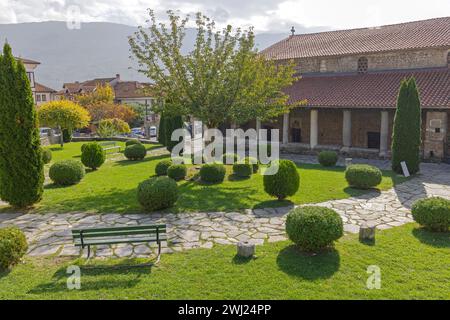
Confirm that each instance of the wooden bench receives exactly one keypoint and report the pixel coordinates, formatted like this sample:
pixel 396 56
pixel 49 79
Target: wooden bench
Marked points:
pixel 132 234
pixel 109 145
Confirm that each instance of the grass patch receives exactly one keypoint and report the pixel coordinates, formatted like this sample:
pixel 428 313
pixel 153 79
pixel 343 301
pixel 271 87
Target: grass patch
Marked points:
pixel 414 264
pixel 112 188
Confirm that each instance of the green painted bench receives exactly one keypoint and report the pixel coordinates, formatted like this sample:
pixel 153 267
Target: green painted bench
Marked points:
pixel 109 145
pixel 131 234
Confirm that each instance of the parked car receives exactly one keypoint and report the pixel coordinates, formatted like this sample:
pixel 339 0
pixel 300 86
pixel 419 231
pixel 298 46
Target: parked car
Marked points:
pixel 44 132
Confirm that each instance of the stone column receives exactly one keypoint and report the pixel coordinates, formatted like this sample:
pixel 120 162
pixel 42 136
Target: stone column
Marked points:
pixel 347 131
pixel 286 128
pixel 314 133
pixel 384 133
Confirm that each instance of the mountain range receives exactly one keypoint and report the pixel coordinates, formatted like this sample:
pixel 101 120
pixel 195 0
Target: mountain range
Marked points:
pixel 96 50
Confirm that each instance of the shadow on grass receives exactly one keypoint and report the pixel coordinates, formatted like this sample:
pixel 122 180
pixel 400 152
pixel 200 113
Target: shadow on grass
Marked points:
pixel 234 177
pixel 434 239
pixel 125 274
pixel 274 204
pixel 296 263
pixel 238 260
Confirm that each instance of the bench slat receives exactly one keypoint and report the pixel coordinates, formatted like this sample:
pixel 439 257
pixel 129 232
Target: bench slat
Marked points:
pixel 140 227
pixel 103 234
pixel 118 240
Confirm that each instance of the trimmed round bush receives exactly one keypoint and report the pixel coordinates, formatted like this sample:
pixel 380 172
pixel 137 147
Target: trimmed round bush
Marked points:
pixel 314 228
pixel 83 147
pixel 285 182
pixel 162 167
pixel 432 213
pixel 177 172
pixel 132 142
pixel 157 193
pixel 67 172
pixel 254 162
pixel 363 176
pixel 135 152
pixel 328 158
pixel 46 156
pixel 213 172
pixel 230 158
pixel 13 246
pixel 93 156
pixel 243 170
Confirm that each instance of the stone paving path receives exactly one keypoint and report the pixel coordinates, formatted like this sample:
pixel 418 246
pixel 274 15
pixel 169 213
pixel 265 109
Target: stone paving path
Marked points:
pixel 51 233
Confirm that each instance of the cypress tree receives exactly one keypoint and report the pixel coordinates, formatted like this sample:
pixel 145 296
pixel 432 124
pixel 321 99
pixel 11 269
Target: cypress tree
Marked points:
pixel 406 139
pixel 21 164
pixel 172 124
pixel 162 130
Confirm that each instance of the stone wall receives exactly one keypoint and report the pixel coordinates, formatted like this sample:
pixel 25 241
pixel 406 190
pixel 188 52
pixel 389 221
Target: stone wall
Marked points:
pixel 330 127
pixel 409 59
pixel 435 135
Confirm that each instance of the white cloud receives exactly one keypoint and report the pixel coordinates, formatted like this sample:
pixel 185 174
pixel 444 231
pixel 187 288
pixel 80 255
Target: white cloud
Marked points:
pixel 265 15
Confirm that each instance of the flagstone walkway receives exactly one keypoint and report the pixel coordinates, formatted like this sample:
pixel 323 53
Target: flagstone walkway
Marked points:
pixel 50 234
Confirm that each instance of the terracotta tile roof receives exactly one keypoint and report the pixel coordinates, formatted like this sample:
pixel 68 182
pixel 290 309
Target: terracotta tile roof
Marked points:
pixel 41 88
pixel 27 61
pixel 131 89
pixel 372 90
pixel 99 81
pixel 411 35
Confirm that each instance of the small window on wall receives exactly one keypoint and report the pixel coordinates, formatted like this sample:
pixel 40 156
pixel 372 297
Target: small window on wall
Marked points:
pixel 44 98
pixel 363 65
pixel 38 98
pixel 448 59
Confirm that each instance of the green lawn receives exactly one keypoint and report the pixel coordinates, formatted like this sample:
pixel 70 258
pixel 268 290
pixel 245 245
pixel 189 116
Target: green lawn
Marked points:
pixel 414 263
pixel 112 188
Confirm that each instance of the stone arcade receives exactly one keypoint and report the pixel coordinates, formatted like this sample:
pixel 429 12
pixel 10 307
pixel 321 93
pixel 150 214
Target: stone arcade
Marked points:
pixel 351 79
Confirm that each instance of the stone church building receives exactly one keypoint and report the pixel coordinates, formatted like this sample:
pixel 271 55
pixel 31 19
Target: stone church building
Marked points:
pixel 351 79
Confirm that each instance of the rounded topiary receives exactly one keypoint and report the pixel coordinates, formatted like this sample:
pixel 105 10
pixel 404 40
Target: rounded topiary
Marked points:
pixel 132 142
pixel 13 246
pixel 363 176
pixel 135 152
pixel 67 172
pixel 230 158
pixel 177 172
pixel 93 155
pixel 157 193
pixel 243 169
pixel 46 156
pixel 254 162
pixel 83 147
pixel 432 213
pixel 213 172
pixel 162 167
pixel 314 228
pixel 328 158
pixel 285 182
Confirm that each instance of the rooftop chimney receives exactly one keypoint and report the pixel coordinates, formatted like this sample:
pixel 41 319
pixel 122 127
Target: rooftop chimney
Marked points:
pixel 118 77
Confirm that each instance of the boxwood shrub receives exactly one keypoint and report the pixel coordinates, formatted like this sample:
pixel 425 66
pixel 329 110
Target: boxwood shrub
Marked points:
pixel 46 156
pixel 285 182
pixel 157 193
pixel 254 162
pixel 162 166
pixel 177 172
pixel 362 176
pixel 67 172
pixel 328 158
pixel 212 172
pixel 243 170
pixel 432 213
pixel 93 155
pixel 132 142
pixel 13 246
pixel 314 228
pixel 135 152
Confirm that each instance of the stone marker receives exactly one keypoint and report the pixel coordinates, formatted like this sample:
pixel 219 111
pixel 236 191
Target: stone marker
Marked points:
pixel 367 233
pixel 245 249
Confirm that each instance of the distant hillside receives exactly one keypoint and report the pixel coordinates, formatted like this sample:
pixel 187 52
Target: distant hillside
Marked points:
pixel 96 50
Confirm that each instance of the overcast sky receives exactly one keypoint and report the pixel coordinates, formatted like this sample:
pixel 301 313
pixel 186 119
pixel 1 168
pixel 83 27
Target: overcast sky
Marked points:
pixel 264 15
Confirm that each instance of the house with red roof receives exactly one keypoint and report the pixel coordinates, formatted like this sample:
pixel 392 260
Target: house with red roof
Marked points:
pixel 350 80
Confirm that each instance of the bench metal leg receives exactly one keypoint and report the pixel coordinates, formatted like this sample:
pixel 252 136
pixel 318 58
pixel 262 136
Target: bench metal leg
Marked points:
pixel 89 252
pixel 159 253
